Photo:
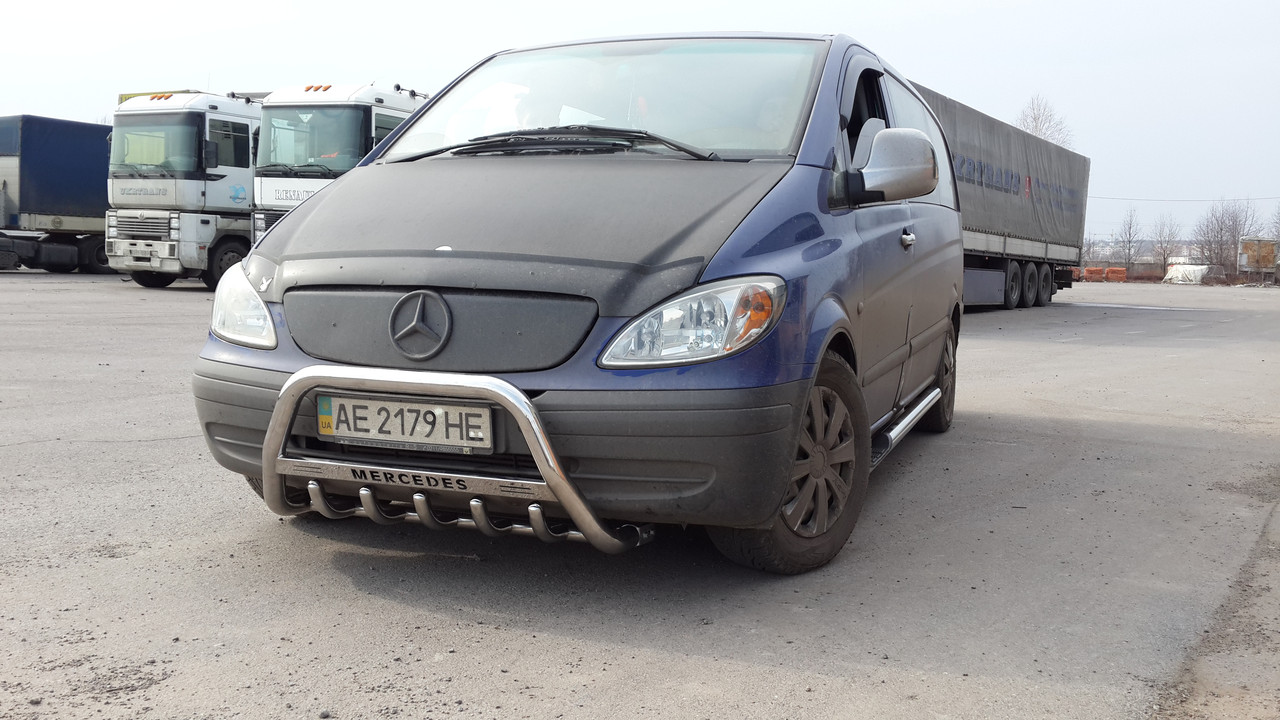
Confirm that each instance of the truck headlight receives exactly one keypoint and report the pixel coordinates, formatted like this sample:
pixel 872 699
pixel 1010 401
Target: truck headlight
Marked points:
pixel 239 314
pixel 705 323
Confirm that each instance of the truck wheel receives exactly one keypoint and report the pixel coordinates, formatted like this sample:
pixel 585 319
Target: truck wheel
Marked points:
pixel 227 255
pixel 93 255
pixel 60 268
pixel 1012 284
pixel 1030 283
pixel 148 279
pixel 1044 295
pixel 938 418
pixel 827 485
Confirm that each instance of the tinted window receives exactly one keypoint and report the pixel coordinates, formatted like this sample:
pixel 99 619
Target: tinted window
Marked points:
pixel 232 139
pixel 383 124
pixel 910 112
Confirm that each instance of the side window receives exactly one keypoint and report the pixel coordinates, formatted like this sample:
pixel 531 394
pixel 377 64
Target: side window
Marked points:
pixel 866 110
pixel 232 139
pixel 383 124
pixel 909 111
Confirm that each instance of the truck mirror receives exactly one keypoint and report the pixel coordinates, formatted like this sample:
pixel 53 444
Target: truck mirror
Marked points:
pixel 210 154
pixel 902 164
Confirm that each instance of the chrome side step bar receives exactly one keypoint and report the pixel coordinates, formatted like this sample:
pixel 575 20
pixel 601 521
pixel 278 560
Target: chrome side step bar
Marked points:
pixel 276 462
pixel 888 439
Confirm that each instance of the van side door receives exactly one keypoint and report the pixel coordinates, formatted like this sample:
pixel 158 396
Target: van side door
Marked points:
pixel 937 254
pixel 884 263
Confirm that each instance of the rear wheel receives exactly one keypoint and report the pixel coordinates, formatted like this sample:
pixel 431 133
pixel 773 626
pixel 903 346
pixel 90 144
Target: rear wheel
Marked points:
pixel 1030 284
pixel 938 418
pixel 225 257
pixel 1012 284
pixel 1045 294
pixel 827 485
pixel 149 279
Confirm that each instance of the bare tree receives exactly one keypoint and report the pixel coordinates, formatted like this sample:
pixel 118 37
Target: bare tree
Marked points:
pixel 1129 242
pixel 1089 250
pixel 1218 232
pixel 1275 223
pixel 1040 119
pixel 1166 239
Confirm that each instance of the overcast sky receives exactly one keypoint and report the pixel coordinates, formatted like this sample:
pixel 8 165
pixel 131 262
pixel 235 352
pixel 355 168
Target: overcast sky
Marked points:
pixel 1176 103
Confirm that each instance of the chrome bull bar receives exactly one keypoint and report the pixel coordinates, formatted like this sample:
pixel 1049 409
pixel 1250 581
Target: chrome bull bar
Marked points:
pixel 555 486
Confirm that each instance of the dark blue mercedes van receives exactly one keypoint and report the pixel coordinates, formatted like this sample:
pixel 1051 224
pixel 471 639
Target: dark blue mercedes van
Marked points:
pixel 596 287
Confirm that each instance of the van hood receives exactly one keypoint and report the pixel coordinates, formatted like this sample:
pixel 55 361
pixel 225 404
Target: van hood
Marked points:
pixel 624 230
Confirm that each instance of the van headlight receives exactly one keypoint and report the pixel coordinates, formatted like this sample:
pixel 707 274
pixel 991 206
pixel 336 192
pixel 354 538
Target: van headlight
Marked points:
pixel 705 323
pixel 239 314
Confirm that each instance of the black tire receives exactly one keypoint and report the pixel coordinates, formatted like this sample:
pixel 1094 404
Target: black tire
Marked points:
pixel 59 268
pixel 1044 295
pixel 226 256
pixel 938 418
pixel 148 279
pixel 92 252
pixel 1012 284
pixel 1030 284
pixel 826 490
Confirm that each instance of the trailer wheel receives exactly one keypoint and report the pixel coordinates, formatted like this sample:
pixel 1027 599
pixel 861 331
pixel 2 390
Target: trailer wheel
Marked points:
pixel 827 484
pixel 227 255
pixel 1044 295
pixel 93 255
pixel 148 279
pixel 1012 284
pixel 1030 283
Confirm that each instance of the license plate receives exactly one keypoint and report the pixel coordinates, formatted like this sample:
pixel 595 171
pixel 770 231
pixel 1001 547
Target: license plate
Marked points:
pixel 406 424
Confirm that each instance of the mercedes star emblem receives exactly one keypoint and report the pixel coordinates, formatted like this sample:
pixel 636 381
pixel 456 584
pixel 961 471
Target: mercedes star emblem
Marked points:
pixel 420 324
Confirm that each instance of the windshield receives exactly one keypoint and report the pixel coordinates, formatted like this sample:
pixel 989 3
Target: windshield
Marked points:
pixel 156 145
pixel 302 140
pixel 741 98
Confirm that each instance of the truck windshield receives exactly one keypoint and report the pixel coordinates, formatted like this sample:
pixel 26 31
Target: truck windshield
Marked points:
pixel 741 98
pixel 156 145
pixel 312 140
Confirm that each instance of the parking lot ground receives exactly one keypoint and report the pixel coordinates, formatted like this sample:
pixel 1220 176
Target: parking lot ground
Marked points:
pixel 1092 539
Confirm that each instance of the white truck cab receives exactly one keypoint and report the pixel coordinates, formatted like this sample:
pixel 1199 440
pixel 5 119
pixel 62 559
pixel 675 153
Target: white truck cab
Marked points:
pixel 180 185
pixel 313 134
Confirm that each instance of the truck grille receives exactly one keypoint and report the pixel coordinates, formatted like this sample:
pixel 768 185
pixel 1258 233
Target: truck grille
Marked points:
pixel 158 227
pixel 272 217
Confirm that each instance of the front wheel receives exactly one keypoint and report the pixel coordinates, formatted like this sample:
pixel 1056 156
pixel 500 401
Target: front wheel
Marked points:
pixel 827 484
pixel 225 257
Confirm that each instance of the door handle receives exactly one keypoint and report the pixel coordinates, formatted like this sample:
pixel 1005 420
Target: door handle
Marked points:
pixel 908 239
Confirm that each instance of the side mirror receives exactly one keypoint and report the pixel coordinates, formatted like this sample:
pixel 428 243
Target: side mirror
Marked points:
pixel 210 154
pixel 902 164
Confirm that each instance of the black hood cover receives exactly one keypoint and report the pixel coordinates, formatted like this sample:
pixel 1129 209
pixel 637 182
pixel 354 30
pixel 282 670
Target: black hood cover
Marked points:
pixel 625 230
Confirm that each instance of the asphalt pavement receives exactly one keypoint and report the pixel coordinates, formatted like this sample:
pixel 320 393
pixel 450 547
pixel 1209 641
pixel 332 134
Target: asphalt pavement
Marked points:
pixel 1092 539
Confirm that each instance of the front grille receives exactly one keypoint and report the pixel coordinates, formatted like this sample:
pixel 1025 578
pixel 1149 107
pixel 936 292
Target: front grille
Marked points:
pixel 271 217
pixel 157 227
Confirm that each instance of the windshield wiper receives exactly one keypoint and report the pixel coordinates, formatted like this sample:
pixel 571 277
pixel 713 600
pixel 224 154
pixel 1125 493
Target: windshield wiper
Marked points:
pixel 125 170
pixel 323 171
pixel 519 140
pixel 562 137
pixel 276 170
pixel 602 131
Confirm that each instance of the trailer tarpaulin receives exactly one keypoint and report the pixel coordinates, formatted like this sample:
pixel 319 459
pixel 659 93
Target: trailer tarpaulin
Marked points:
pixel 1011 182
